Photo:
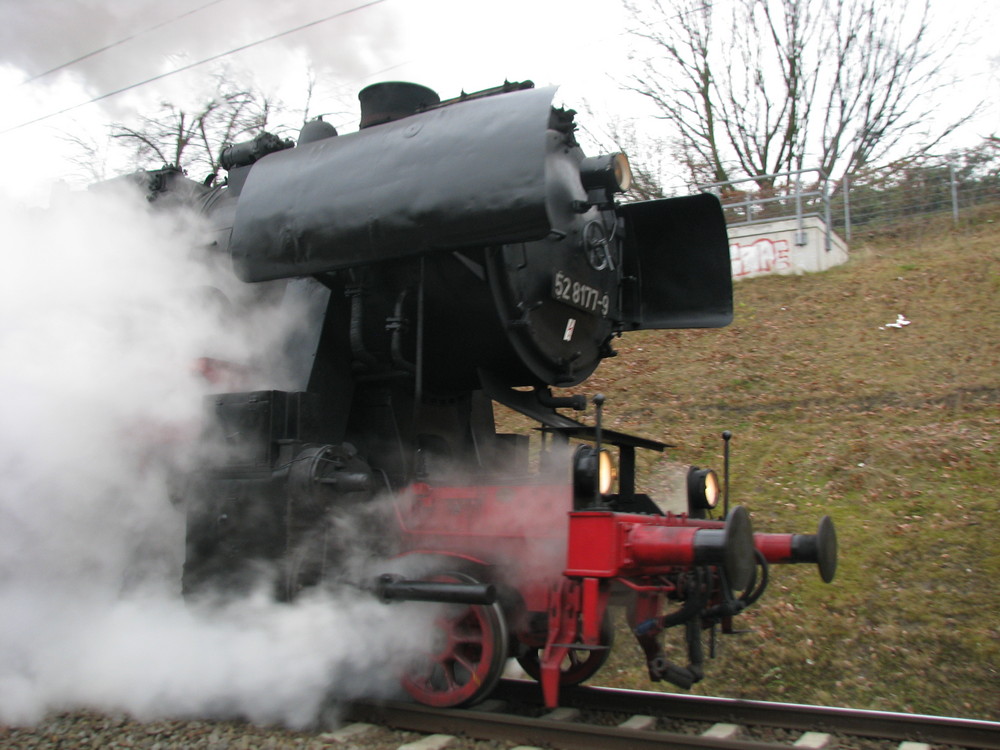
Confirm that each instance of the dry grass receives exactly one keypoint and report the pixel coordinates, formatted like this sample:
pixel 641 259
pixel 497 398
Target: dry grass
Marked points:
pixel 892 431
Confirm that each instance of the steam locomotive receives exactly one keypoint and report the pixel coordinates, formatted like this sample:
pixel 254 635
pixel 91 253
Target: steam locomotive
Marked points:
pixel 446 257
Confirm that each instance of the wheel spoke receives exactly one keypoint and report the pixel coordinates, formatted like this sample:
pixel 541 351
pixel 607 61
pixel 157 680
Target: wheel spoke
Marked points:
pixel 449 676
pixel 468 637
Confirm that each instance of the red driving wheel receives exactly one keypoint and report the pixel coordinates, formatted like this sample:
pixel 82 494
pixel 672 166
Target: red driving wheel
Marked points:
pixel 469 655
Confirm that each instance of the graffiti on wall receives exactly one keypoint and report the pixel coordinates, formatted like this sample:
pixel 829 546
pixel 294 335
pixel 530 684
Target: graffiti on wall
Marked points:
pixel 761 256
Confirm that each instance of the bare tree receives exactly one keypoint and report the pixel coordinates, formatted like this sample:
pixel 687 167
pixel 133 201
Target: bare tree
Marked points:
pixel 757 87
pixel 193 139
pixel 88 155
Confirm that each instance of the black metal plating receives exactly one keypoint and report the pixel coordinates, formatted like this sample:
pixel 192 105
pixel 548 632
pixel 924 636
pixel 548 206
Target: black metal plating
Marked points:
pixel 475 173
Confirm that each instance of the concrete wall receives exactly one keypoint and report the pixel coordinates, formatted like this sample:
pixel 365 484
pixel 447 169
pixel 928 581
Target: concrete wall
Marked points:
pixel 780 247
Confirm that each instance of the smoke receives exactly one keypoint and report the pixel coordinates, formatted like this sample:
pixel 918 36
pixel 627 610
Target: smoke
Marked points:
pixel 98 327
pixel 39 36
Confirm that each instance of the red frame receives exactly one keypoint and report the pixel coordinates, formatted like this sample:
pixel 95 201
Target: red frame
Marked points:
pixel 563 563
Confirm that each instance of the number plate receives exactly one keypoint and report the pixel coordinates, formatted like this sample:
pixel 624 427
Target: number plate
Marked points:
pixel 579 295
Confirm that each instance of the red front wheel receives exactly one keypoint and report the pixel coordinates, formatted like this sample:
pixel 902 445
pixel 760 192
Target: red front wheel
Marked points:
pixel 469 654
pixel 580 663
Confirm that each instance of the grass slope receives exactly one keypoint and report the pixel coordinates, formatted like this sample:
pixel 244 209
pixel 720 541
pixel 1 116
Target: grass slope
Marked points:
pixel 891 431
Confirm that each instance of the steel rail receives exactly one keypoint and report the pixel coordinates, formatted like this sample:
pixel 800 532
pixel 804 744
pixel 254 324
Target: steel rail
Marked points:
pixel 972 733
pixel 537 731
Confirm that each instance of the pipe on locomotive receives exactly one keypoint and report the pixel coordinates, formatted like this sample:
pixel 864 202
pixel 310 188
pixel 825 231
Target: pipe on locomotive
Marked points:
pixel 605 544
pixel 390 588
pixel 730 547
pixel 789 549
pixel 819 548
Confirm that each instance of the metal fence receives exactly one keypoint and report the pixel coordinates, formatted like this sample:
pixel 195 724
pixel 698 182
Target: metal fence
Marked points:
pixel 872 201
pixel 880 199
pixel 789 194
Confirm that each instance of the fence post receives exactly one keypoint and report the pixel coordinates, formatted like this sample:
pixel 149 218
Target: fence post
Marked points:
pixel 954 194
pixel 847 205
pixel 827 213
pixel 800 234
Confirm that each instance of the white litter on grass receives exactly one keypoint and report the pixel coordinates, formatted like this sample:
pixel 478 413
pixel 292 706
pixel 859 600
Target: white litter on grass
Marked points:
pixel 900 322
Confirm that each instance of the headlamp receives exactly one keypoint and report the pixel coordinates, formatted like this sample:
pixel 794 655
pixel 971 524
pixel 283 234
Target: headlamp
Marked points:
pixel 607 473
pixel 610 173
pixel 594 474
pixel 703 491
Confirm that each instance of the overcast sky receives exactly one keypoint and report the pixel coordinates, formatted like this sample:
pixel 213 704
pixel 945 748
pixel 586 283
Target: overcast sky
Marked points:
pixel 449 45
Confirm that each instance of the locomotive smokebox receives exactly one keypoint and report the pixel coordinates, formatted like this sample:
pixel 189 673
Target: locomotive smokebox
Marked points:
pixel 392 100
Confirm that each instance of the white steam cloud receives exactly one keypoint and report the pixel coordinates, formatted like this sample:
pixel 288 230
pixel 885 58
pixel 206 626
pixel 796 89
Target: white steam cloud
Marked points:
pixel 155 36
pixel 98 328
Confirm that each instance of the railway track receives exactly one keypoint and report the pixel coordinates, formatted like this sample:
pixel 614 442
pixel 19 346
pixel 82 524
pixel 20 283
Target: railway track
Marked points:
pixel 610 719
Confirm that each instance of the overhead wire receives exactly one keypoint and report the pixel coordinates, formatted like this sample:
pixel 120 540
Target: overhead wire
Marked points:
pixel 183 68
pixel 120 42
